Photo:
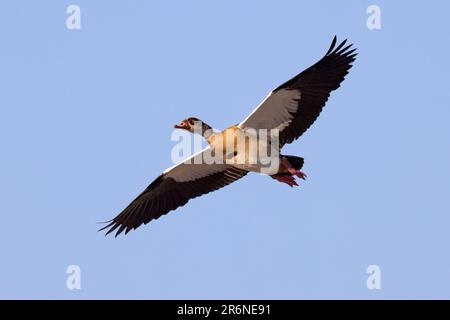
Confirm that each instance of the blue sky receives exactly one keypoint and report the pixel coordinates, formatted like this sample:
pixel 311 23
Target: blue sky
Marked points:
pixel 85 123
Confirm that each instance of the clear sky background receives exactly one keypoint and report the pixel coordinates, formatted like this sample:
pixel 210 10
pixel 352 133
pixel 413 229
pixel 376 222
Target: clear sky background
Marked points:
pixel 85 123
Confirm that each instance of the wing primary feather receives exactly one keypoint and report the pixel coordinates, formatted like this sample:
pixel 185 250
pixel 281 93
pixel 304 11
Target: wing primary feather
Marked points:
pixel 333 43
pixel 340 52
pixel 339 47
pixel 115 225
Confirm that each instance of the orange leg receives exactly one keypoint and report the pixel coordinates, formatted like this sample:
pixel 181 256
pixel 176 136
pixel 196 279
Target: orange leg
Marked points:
pixel 292 170
pixel 285 178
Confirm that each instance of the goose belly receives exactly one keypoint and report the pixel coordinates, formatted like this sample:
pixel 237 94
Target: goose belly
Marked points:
pixel 247 151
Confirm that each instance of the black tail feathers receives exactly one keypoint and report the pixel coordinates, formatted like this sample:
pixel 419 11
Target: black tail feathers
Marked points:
pixel 296 162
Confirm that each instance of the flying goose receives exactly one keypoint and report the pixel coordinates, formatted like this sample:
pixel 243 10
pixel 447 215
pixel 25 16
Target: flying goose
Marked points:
pixel 290 109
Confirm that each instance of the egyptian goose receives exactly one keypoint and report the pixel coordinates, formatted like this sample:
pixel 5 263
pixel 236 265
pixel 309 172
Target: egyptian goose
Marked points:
pixel 290 110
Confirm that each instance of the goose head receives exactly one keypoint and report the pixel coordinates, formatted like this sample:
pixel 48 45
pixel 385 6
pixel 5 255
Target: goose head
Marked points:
pixel 188 124
pixel 194 125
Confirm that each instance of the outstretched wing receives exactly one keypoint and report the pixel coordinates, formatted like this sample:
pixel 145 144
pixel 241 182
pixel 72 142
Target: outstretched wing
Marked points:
pixel 295 105
pixel 173 189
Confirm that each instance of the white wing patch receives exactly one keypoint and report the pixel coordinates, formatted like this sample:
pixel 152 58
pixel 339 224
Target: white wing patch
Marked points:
pixel 193 168
pixel 274 112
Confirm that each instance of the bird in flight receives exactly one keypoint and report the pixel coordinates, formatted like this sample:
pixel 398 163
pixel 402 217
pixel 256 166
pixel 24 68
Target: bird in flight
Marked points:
pixel 287 112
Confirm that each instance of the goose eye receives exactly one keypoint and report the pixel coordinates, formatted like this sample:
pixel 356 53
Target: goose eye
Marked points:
pixel 191 122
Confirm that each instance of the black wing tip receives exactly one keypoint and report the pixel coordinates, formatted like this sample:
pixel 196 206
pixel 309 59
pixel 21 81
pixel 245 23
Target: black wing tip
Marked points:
pixel 333 43
pixel 111 226
pixel 340 50
pixel 109 223
pixel 114 224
